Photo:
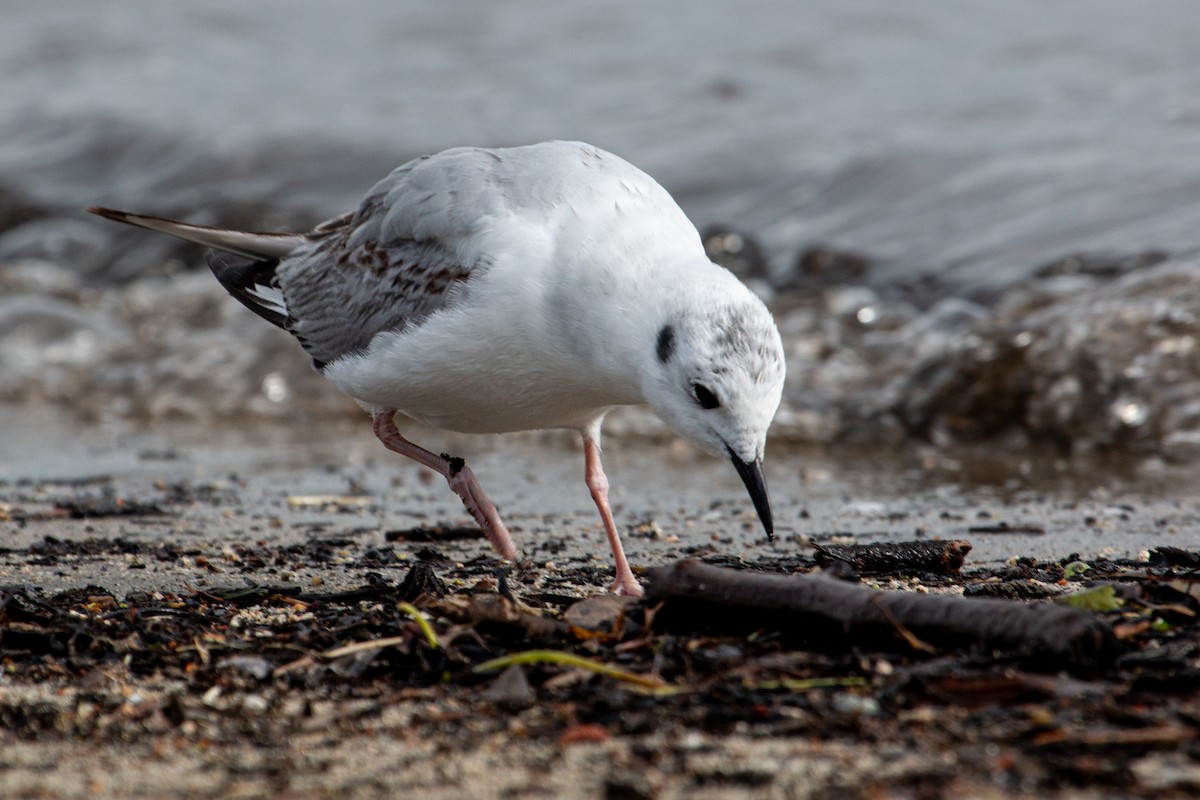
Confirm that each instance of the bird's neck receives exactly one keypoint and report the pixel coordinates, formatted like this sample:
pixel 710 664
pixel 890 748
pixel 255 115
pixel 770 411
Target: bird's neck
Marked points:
pixel 619 321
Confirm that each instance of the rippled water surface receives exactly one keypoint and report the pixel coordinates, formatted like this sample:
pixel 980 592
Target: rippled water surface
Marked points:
pixel 977 221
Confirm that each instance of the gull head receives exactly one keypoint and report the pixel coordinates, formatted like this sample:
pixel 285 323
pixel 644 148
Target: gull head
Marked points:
pixel 716 380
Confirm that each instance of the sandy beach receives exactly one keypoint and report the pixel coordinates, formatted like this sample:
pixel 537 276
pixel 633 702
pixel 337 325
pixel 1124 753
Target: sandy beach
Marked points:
pixel 205 515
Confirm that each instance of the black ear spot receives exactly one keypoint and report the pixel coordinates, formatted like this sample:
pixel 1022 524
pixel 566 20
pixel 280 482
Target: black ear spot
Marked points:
pixel 666 343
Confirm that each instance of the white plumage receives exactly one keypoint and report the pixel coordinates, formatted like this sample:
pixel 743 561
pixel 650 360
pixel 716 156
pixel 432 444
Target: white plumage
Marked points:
pixel 524 288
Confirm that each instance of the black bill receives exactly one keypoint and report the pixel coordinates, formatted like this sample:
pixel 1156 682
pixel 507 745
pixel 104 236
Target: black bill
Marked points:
pixel 756 484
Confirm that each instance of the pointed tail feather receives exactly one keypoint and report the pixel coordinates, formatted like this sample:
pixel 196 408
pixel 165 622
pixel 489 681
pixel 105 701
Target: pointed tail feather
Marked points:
pixel 250 245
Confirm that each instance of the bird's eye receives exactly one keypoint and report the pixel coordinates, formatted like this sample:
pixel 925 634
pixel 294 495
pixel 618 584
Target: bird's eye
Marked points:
pixel 705 397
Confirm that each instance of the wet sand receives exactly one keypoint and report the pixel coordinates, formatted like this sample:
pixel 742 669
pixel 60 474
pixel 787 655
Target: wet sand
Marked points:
pixel 283 484
pixel 207 503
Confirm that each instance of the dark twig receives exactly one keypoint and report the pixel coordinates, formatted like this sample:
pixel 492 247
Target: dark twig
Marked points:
pixel 892 558
pixel 822 610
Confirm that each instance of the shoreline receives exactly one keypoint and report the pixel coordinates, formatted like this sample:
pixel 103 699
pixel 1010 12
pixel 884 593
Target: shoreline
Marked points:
pixel 212 511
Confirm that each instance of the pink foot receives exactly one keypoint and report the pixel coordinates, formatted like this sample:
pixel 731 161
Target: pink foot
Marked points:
pixel 462 482
pixel 597 483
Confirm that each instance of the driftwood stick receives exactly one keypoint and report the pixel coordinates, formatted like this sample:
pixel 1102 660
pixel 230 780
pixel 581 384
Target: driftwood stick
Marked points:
pixel 892 558
pixel 823 610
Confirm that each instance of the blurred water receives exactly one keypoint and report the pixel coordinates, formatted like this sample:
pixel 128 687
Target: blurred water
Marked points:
pixel 1001 169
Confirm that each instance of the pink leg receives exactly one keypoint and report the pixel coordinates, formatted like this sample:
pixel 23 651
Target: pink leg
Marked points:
pixel 460 478
pixel 597 483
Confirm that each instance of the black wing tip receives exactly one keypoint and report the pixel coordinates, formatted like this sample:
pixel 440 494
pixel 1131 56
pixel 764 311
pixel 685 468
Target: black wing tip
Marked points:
pixel 240 275
pixel 108 213
pixel 129 218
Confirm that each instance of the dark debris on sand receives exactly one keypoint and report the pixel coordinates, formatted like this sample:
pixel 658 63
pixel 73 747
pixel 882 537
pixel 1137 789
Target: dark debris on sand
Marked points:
pixel 260 662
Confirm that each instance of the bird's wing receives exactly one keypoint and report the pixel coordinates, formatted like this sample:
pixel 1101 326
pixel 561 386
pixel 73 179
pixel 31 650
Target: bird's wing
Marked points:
pixel 340 296
pixel 243 262
pixel 394 261
pixel 243 243
pixel 421 236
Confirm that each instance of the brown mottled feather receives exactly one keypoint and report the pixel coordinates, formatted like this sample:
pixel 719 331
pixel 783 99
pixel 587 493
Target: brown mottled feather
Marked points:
pixel 339 295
